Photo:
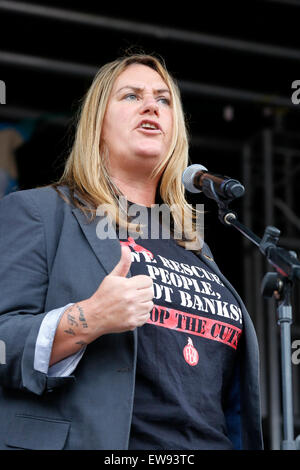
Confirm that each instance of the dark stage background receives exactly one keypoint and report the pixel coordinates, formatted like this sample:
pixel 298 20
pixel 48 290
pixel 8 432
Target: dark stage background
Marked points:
pixel 235 63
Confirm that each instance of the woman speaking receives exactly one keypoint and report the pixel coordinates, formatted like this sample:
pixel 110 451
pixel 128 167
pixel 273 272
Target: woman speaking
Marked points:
pixel 121 342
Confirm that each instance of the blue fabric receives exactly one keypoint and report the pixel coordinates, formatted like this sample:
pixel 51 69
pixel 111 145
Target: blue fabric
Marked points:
pixel 12 185
pixel 7 184
pixel 25 127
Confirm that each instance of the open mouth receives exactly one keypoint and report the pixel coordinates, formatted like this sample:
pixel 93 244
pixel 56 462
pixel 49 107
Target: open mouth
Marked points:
pixel 149 126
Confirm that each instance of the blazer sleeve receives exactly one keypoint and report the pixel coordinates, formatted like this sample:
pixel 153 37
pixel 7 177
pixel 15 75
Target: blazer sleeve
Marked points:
pixel 23 289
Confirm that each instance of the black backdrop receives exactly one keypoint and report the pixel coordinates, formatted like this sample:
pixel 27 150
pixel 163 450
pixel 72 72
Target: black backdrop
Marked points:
pixel 235 62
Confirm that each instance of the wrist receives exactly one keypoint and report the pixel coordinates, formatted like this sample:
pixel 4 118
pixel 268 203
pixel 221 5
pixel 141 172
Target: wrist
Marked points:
pixel 81 316
pixel 73 325
pixel 71 334
pixel 92 323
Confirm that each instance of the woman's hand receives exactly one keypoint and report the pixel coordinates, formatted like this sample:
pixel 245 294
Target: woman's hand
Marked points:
pixel 119 304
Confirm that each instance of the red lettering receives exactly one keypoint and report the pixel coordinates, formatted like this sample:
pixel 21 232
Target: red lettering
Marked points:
pixel 195 325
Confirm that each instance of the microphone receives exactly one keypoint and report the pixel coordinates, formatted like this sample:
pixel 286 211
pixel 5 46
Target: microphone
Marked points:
pixel 197 178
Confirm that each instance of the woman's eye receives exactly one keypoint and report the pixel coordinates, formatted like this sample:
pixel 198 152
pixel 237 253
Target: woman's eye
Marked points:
pixel 131 97
pixel 164 100
pixel 134 97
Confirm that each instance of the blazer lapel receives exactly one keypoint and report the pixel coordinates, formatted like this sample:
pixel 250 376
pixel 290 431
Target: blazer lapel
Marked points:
pixel 108 251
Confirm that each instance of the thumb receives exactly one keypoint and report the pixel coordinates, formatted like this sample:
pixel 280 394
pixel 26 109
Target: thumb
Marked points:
pixel 123 266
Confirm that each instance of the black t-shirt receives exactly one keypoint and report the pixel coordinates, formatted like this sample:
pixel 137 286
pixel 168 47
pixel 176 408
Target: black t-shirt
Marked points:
pixel 186 351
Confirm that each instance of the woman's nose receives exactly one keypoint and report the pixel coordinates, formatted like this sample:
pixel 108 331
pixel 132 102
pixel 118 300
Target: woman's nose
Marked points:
pixel 150 106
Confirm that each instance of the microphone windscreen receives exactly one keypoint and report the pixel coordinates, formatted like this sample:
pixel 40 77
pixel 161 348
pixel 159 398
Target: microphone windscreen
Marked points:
pixel 188 177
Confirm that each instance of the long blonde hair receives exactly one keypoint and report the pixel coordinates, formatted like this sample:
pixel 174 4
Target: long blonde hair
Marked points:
pixel 85 171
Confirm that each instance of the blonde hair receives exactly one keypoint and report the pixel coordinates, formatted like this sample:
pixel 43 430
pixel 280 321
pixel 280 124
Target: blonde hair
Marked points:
pixel 85 171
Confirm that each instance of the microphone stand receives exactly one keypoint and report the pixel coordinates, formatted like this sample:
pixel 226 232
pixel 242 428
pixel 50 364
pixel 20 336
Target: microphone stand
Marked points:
pixel 280 285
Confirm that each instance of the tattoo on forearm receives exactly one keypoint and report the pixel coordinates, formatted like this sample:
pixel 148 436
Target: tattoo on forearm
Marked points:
pixel 75 322
pixel 71 320
pixel 82 317
pixel 70 331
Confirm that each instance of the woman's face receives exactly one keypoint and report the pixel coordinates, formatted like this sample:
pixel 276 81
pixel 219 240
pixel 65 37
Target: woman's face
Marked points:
pixel 137 127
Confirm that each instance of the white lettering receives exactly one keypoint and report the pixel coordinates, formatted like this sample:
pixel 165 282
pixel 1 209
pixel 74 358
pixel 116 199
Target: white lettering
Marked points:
pixel 2 92
pixel 296 354
pixel 2 352
pixel 295 96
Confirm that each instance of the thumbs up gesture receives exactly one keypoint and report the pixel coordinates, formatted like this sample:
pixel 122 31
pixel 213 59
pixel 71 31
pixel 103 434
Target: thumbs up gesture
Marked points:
pixel 123 266
pixel 120 303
